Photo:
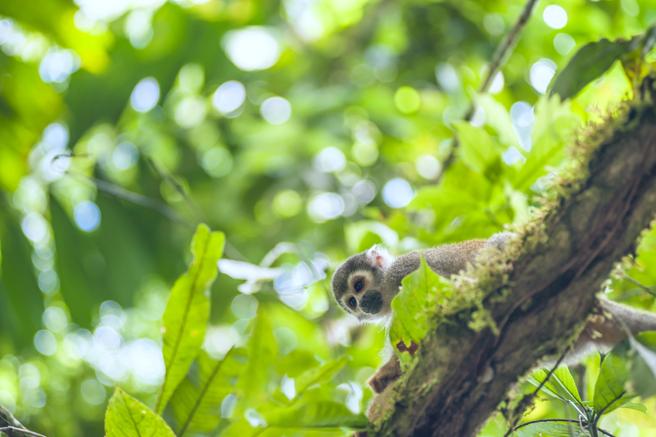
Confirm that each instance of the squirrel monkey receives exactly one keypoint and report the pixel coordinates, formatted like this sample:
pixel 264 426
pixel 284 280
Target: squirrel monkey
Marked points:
pixel 365 284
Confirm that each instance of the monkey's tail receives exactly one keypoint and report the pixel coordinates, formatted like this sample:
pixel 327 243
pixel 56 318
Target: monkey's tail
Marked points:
pixel 633 319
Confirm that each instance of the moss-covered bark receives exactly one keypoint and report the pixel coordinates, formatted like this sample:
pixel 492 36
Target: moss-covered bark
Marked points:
pixel 461 375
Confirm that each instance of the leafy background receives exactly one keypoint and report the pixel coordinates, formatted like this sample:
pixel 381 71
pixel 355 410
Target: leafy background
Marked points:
pixel 304 130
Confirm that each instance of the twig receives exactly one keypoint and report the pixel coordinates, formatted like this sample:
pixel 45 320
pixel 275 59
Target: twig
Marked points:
pixel 642 286
pixel 10 430
pixel 529 398
pixel 500 55
pixel 606 433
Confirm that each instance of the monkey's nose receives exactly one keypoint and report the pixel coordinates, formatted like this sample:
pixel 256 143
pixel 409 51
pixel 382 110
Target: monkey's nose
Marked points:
pixel 372 302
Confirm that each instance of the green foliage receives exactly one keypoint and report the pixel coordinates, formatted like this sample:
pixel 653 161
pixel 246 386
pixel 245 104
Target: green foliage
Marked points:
pixel 188 310
pixel 377 90
pixel 197 400
pixel 590 62
pixel 422 292
pixel 610 392
pixel 127 417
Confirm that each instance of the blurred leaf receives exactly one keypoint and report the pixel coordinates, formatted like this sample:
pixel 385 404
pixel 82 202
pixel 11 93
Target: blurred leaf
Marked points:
pixel 188 309
pixel 554 127
pixel 319 375
pixel 323 414
pixel 643 369
pixel 55 18
pixel 261 348
pixel 88 264
pixel 499 119
pixel 197 401
pixel 127 417
pixel 636 406
pixel 610 393
pixel 478 150
pixel 21 301
pixel 590 62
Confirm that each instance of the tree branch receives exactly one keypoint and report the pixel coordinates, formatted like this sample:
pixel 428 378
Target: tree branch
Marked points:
pixel 542 301
pixel 500 55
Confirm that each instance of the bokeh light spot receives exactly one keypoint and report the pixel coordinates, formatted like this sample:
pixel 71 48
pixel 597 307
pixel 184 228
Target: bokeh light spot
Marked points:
pixel 87 216
pixel 555 16
pixel 407 100
pixel 397 193
pixel 330 160
pixel 145 95
pixel 287 203
pixel 229 97
pixel 276 110
pixel 325 206
pixel 541 73
pixel 252 48
pixel 217 161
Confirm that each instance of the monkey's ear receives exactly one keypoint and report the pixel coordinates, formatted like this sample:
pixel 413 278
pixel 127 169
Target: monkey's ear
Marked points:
pixel 379 257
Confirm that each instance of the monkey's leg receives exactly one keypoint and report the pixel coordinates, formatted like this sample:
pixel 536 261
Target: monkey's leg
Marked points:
pixel 387 374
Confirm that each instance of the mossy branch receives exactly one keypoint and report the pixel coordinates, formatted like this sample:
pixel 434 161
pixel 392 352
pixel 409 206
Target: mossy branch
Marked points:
pixel 539 297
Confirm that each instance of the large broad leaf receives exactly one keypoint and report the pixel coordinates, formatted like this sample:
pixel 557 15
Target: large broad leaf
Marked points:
pixel 590 62
pixel 21 301
pixel 127 417
pixel 188 309
pixel 197 401
pixel 412 307
pixel 609 393
pixel 560 385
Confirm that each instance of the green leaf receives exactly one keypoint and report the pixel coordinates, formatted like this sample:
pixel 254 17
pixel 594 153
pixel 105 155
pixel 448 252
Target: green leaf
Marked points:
pixel 554 128
pixel 322 414
pixel 319 375
pixel 560 385
pixel 187 311
pixel 259 368
pixel 636 406
pixel 127 417
pixel 609 393
pixel 478 150
pixel 643 368
pixel 499 119
pixel 197 401
pixel 590 62
pixel 21 301
pixel 410 307
pixel 551 429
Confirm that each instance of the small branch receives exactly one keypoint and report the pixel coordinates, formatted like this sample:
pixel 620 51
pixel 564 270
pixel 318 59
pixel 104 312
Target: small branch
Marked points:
pixel 527 400
pixel 500 56
pixel 642 286
pixel 533 422
pixel 14 430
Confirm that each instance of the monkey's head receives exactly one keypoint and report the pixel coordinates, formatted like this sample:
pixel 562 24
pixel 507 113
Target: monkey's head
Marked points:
pixel 357 283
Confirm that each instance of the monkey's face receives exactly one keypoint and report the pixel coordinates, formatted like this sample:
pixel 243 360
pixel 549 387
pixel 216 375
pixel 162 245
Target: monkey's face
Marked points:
pixel 357 284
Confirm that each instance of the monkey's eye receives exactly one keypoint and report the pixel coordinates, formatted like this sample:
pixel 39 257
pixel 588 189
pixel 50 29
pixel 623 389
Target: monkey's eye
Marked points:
pixel 352 302
pixel 358 285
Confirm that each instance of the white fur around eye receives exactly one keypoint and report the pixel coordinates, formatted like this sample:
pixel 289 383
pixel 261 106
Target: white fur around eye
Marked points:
pixel 368 279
